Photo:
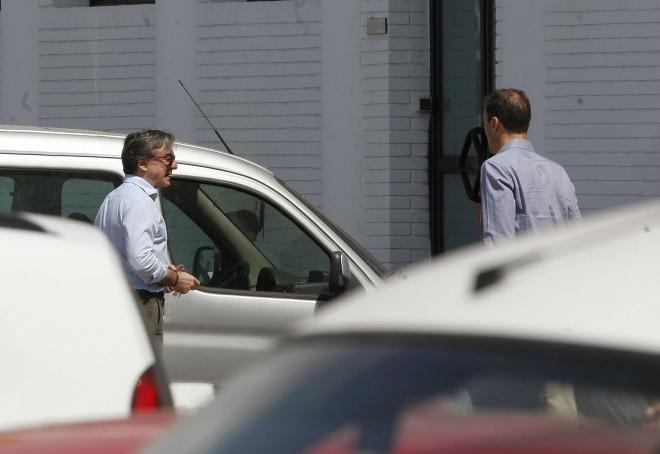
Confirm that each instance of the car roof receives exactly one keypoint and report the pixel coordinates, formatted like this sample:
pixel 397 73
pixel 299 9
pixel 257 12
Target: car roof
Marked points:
pixel 593 283
pixel 79 142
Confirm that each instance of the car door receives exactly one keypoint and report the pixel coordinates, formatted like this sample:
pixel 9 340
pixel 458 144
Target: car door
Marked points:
pixel 260 269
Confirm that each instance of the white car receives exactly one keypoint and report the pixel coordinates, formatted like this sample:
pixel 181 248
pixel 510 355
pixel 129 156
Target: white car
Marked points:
pixel 73 342
pixel 552 331
pixel 264 257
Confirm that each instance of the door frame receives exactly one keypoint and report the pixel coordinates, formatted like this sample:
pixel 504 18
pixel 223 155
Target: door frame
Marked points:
pixel 441 164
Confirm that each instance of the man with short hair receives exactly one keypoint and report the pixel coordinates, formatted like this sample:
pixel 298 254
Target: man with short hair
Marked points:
pixel 131 217
pixel 520 189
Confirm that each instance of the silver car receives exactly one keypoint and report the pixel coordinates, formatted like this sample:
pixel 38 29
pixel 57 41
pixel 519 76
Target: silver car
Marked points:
pixel 264 256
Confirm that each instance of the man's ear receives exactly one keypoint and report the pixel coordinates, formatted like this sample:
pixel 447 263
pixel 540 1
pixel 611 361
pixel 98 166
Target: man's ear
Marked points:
pixel 494 123
pixel 143 164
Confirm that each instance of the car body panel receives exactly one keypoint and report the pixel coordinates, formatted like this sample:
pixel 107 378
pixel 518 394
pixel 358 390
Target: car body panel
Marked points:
pixel 429 431
pixel 120 436
pixel 592 283
pixel 61 319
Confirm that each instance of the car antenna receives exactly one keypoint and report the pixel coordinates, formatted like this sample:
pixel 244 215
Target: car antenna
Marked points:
pixel 206 118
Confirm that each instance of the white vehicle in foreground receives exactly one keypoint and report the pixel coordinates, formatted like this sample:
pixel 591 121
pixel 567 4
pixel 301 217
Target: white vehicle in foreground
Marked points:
pixel 73 342
pixel 264 257
pixel 551 332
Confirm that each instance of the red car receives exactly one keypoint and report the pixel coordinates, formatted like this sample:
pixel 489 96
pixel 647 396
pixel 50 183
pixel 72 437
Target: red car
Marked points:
pixel 428 430
pixel 121 436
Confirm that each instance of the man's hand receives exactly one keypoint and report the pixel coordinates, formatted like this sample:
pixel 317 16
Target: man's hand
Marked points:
pixel 180 280
pixel 185 282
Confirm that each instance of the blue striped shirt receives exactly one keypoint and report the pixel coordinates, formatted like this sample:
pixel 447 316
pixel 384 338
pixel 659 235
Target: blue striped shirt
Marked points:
pixel 131 217
pixel 521 190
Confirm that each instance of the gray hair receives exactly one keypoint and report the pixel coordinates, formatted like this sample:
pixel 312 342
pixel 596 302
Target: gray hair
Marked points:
pixel 141 145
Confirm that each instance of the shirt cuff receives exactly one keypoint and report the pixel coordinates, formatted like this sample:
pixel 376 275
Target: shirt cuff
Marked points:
pixel 159 274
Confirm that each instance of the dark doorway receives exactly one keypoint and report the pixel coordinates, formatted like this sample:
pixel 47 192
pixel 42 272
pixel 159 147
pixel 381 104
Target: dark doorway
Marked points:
pixel 462 68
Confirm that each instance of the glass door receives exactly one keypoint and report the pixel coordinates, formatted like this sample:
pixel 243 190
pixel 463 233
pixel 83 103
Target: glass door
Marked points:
pixel 462 69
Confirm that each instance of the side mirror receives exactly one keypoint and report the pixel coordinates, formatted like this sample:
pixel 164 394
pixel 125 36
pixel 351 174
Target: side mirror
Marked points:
pixel 340 274
pixel 205 264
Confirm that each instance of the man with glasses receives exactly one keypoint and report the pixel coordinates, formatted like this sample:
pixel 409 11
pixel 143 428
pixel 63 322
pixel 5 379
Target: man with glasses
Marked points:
pixel 131 217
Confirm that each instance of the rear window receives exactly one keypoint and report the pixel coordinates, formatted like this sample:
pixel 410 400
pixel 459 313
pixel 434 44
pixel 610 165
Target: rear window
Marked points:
pixel 73 194
pixel 316 391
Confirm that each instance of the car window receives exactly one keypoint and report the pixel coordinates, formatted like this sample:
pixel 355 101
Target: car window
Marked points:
pixel 185 237
pixel 311 392
pixel 6 194
pixel 73 194
pixel 82 197
pixel 241 241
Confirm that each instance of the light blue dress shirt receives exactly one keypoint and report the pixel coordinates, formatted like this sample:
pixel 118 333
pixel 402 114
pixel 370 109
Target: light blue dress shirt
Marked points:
pixel 521 190
pixel 131 217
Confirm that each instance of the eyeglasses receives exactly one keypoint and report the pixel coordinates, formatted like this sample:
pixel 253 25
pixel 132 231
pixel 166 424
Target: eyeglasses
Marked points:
pixel 167 160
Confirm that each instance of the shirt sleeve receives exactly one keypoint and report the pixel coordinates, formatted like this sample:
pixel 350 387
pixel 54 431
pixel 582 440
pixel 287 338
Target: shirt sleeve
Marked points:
pixel 498 205
pixel 139 232
pixel 566 191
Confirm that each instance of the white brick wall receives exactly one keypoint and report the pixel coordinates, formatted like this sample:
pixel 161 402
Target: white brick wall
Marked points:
pixel 603 97
pixel 259 81
pixel 257 74
pixel 96 68
pixel 395 181
pixel 594 80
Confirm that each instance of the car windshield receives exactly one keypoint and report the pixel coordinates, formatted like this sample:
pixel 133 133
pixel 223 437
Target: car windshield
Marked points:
pixel 365 255
pixel 313 394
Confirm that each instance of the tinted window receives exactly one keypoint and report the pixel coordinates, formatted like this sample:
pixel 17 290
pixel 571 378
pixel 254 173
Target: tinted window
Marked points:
pixel 311 393
pixel 232 239
pixel 81 198
pixel 184 236
pixel 56 192
pixel 6 194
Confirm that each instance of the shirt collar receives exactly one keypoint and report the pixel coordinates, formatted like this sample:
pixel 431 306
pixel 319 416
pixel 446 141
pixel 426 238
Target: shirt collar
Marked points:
pixel 517 143
pixel 142 184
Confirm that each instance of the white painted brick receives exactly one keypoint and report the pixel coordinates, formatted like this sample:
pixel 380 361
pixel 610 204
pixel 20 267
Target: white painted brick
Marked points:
pixel 376 149
pixel 386 202
pixel 372 6
pixel 386 229
pixel 402 31
pixel 422 203
pixel 409 5
pixel 380 176
pixel 420 255
pixel 408 137
pixel 420 149
pixel 420 176
pixel 399 18
pixel 420 229
pixel 399 149
pixel 410 242
pixel 400 257
pixel 408 189
pixel 419 18
pixel 374 44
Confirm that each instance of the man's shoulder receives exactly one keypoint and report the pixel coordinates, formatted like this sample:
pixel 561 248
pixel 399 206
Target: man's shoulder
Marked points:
pixel 500 161
pixel 128 191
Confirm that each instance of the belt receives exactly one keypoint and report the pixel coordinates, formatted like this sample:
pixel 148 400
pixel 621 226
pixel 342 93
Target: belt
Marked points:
pixel 146 294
